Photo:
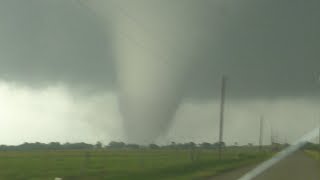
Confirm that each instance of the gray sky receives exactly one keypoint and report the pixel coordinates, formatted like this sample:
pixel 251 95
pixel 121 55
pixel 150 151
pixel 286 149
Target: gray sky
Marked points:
pixel 64 58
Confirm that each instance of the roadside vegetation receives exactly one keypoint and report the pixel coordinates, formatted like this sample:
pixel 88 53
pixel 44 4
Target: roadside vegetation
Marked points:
pixel 313 150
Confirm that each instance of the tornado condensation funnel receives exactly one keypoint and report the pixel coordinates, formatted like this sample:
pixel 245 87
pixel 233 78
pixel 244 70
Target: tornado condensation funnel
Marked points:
pixel 151 57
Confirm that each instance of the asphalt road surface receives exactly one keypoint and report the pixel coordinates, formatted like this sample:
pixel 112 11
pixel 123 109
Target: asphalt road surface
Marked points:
pixel 298 166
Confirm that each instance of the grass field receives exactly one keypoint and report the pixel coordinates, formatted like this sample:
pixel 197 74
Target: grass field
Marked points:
pixel 121 164
pixel 313 153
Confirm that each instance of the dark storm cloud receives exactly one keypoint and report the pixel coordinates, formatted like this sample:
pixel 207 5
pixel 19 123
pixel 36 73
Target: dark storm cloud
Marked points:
pixel 44 42
pixel 266 48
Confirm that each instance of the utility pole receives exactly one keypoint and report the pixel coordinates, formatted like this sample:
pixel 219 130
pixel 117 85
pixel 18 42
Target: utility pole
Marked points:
pixel 319 136
pixel 319 144
pixel 261 133
pixel 223 89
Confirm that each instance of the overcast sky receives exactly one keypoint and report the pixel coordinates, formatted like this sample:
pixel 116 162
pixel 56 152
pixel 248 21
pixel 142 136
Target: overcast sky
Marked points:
pixel 61 61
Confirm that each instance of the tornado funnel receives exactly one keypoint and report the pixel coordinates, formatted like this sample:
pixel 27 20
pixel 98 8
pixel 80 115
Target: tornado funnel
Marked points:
pixel 153 54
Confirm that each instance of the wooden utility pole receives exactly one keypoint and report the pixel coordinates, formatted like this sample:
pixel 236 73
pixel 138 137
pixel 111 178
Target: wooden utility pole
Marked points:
pixel 261 133
pixel 319 143
pixel 223 89
pixel 319 136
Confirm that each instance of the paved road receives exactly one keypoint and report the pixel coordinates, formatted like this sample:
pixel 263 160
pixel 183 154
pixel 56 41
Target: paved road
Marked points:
pixel 295 167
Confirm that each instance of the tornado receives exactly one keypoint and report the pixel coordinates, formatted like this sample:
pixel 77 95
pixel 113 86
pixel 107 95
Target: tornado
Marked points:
pixel 153 54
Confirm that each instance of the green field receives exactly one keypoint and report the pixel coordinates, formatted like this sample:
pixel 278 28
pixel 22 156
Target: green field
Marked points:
pixel 313 153
pixel 121 164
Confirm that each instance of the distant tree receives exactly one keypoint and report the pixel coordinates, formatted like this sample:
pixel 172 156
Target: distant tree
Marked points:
pixel 311 146
pixel 54 145
pixel 223 144
pixel 133 146
pixel 25 146
pixel 172 145
pixel 153 146
pixel 81 145
pixel 218 144
pixel 205 145
pixel 191 144
pixel 42 146
pixel 4 148
pixel 114 144
pixel 98 145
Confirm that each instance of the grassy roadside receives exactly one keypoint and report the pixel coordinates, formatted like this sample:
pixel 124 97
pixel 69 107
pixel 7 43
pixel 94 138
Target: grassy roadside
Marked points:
pixel 313 153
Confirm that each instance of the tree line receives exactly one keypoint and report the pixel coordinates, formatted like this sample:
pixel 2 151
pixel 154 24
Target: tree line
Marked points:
pixel 43 146
pixel 112 145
